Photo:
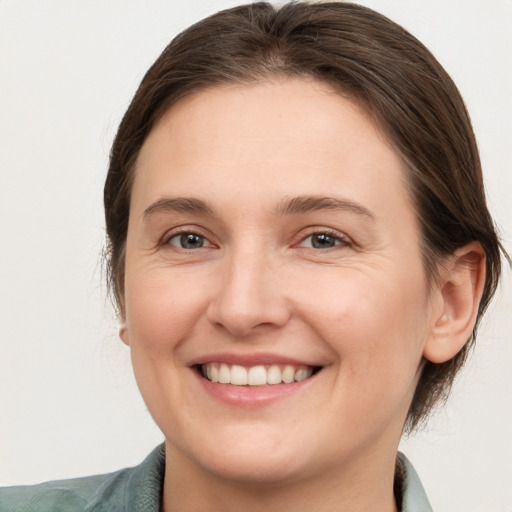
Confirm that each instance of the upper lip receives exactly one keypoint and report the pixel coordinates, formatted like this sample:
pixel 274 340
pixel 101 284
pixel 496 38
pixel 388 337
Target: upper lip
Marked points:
pixel 263 358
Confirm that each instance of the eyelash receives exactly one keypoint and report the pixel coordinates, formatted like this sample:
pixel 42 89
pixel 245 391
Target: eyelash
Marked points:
pixel 339 240
pixel 167 239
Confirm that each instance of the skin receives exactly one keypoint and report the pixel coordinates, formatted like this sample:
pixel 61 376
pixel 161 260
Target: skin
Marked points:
pixel 361 309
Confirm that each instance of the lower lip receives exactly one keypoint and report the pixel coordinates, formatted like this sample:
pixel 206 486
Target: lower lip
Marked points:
pixel 251 396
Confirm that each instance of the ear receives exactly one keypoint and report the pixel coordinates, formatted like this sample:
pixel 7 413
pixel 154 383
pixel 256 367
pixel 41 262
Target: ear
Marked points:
pixel 123 334
pixel 461 288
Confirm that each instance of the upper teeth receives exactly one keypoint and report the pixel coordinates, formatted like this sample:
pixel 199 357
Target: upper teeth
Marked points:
pixel 255 375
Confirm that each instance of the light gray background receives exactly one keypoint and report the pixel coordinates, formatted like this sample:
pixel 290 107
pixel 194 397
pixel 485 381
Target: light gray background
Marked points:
pixel 68 402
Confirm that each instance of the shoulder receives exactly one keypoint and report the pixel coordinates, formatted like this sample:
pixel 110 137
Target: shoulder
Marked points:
pixel 109 492
pixel 61 495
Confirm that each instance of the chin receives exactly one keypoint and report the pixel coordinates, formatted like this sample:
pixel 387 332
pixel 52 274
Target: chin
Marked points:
pixel 257 469
pixel 259 457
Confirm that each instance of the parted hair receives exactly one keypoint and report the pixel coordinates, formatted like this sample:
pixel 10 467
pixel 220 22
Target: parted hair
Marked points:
pixel 364 56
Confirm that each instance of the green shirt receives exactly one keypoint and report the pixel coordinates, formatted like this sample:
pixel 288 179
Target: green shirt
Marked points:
pixel 139 489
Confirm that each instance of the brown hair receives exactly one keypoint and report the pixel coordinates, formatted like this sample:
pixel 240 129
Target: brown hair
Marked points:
pixel 365 56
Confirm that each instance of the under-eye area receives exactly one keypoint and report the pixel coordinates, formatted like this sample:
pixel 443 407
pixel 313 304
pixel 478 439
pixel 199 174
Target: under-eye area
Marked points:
pixel 259 375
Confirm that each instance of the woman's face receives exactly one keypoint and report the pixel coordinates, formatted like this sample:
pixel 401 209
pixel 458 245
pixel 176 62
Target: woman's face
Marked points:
pixel 272 245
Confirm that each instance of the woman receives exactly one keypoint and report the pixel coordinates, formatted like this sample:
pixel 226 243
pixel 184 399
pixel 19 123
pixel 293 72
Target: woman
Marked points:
pixel 300 251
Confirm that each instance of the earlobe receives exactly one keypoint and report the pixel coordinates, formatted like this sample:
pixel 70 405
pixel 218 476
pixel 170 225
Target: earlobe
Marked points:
pixel 462 284
pixel 123 334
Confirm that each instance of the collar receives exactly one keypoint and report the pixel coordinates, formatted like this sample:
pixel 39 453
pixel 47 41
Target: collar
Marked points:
pixel 414 498
pixel 140 488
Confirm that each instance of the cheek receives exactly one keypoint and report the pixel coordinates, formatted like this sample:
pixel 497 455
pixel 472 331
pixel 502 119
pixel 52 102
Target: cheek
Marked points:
pixel 162 308
pixel 162 311
pixel 374 322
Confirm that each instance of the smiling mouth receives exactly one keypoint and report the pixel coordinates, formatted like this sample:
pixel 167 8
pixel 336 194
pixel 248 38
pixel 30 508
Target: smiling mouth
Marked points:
pixel 260 375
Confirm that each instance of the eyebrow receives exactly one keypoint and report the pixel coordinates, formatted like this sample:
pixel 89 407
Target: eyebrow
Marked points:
pixel 306 204
pixel 178 204
pixel 292 206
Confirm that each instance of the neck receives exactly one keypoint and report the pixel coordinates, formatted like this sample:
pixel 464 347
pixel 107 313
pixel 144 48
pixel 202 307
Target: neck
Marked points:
pixel 365 486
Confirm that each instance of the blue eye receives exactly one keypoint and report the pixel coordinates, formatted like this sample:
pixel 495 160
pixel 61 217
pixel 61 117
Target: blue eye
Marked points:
pixel 187 241
pixel 322 241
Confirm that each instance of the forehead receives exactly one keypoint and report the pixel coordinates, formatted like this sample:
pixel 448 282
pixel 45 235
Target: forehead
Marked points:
pixel 286 135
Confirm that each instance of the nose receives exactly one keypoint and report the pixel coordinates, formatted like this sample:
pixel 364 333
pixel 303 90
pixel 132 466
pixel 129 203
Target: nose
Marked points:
pixel 249 297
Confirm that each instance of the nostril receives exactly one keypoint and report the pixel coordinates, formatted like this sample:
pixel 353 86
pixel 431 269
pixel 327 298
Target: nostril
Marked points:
pixel 243 305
